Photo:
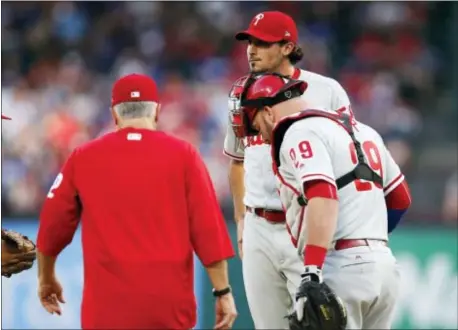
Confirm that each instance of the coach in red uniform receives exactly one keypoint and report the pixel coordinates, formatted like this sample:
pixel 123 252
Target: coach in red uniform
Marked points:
pixel 146 203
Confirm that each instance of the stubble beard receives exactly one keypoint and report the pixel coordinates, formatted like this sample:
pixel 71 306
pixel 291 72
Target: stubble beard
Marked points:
pixel 254 69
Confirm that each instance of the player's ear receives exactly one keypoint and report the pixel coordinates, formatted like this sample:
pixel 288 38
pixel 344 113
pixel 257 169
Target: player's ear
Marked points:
pixel 287 48
pixel 158 109
pixel 115 116
pixel 271 114
pixel 268 111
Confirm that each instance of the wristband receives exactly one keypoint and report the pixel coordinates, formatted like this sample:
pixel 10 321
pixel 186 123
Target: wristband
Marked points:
pixel 219 293
pixel 314 255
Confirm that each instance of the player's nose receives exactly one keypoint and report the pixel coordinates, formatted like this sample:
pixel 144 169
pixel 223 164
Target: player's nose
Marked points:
pixel 251 49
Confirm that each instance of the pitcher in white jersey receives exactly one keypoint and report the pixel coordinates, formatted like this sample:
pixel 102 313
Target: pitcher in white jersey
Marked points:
pixel 271 266
pixel 342 191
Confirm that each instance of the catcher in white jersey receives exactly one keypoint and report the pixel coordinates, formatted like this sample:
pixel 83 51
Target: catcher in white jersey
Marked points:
pixel 343 193
pixel 271 266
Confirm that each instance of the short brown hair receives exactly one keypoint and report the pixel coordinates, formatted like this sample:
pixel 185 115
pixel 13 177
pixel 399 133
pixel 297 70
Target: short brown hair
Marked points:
pixel 296 55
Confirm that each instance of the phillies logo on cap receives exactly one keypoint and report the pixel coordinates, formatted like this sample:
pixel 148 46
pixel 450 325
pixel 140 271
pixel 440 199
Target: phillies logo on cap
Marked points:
pixel 257 18
pixel 270 27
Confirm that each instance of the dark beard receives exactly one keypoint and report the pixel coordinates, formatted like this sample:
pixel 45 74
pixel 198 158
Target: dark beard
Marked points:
pixel 253 70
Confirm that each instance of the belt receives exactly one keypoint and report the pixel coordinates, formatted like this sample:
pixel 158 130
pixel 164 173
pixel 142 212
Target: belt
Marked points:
pixel 343 244
pixel 269 215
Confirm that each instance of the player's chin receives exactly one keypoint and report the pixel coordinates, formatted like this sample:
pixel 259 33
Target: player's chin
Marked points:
pixel 256 68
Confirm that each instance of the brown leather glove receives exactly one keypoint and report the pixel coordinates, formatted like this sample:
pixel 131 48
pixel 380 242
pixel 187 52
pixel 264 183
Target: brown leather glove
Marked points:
pixel 18 253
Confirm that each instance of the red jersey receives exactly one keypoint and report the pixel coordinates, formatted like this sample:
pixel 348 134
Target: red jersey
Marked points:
pixel 146 203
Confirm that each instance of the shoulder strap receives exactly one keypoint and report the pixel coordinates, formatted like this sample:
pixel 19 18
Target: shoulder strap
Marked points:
pixel 282 126
pixel 362 169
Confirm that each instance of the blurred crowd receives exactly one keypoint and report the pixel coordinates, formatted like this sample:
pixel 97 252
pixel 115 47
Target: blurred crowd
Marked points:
pixel 59 60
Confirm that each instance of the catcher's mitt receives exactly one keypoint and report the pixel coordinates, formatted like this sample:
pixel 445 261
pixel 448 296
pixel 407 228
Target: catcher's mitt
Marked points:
pixel 18 253
pixel 317 306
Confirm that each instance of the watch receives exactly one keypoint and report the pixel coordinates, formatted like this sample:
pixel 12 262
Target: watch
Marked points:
pixel 219 293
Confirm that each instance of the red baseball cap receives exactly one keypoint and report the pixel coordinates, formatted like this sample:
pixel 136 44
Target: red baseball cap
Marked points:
pixel 134 88
pixel 270 26
pixel 5 117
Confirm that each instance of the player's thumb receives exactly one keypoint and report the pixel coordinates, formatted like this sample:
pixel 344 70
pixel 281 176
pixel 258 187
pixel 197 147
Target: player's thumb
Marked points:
pixel 60 297
pixel 300 308
pixel 223 322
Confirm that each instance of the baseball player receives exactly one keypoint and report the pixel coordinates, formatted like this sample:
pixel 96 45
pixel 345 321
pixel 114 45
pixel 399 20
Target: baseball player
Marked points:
pixel 271 267
pixel 342 192
pixel 142 217
pixel 18 251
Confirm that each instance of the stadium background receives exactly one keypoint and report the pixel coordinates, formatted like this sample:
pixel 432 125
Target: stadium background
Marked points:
pixel 396 61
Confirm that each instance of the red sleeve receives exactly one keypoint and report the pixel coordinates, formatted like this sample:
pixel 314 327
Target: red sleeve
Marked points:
pixel 399 198
pixel 320 188
pixel 209 235
pixel 60 213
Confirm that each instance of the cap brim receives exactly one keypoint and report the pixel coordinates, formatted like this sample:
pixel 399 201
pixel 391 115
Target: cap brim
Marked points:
pixel 5 117
pixel 245 35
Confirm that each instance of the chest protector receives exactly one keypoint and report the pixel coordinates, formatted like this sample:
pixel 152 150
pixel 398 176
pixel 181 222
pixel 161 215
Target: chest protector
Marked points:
pixel 361 171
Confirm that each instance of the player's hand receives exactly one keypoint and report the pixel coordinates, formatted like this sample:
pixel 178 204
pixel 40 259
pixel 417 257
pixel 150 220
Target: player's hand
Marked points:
pixel 240 226
pixel 317 305
pixel 311 274
pixel 226 312
pixel 51 294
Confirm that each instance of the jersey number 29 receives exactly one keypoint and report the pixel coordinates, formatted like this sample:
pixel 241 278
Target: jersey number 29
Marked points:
pixel 305 150
pixel 374 160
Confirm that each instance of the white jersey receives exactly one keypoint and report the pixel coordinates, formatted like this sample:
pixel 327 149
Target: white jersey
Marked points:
pixel 320 148
pixel 260 189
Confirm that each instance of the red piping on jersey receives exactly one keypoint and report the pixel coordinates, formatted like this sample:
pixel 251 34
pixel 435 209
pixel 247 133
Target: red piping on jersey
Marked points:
pixel 296 73
pixel 293 240
pixel 288 229
pixel 318 175
pixel 392 182
pixel 301 221
pixel 232 156
pixel 297 193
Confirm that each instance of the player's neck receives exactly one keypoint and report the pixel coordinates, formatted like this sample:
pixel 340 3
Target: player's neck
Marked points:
pixel 286 69
pixel 290 107
pixel 138 123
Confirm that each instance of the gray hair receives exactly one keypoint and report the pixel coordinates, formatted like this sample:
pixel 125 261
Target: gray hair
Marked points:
pixel 131 110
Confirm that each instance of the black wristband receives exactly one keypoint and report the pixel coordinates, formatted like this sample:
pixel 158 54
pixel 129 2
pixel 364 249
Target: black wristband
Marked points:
pixel 219 293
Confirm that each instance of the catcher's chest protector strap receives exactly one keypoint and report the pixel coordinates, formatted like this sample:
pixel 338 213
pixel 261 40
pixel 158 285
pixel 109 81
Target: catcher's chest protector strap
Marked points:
pixel 362 169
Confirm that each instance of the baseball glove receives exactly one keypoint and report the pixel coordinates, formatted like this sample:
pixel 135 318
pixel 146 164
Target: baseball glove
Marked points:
pixel 317 306
pixel 18 253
